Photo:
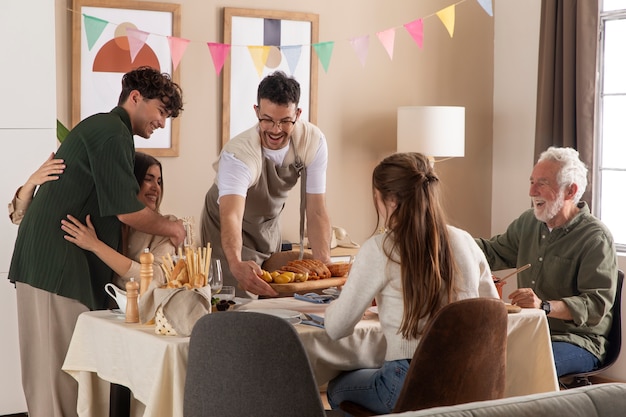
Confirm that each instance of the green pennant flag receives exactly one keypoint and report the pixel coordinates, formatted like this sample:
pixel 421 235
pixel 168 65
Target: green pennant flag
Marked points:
pixel 324 51
pixel 93 29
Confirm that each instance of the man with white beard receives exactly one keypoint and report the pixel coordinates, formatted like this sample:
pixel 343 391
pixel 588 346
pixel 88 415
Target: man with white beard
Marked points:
pixel 573 273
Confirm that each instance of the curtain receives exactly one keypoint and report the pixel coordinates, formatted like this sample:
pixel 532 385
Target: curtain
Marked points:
pixel 568 43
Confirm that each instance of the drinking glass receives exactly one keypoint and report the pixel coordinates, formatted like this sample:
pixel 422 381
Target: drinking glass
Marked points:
pixel 215 276
pixel 227 293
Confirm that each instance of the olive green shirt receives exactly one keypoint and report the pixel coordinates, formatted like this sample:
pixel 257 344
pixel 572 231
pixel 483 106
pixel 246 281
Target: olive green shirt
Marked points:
pixel 575 263
pixel 98 180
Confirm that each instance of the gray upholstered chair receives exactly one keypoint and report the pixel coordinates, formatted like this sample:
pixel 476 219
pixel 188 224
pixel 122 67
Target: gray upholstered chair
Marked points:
pixel 461 358
pixel 249 364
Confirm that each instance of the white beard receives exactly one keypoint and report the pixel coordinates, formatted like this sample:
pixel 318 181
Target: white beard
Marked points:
pixel 550 209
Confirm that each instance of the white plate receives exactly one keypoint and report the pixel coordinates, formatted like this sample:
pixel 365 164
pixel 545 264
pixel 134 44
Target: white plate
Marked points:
pixel 242 300
pixel 290 315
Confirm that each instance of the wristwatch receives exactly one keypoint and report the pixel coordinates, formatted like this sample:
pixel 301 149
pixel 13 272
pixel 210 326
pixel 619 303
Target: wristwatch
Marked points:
pixel 545 306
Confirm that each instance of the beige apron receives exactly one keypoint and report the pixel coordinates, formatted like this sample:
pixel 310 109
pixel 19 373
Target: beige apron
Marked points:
pixel 264 203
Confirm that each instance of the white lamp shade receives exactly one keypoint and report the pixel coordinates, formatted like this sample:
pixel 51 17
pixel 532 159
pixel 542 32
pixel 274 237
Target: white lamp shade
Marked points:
pixel 435 131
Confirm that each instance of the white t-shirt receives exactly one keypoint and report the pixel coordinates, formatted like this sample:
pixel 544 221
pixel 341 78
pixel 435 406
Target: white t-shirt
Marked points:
pixel 234 177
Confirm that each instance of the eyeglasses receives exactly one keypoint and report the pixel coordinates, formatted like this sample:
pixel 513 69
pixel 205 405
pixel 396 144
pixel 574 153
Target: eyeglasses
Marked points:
pixel 283 125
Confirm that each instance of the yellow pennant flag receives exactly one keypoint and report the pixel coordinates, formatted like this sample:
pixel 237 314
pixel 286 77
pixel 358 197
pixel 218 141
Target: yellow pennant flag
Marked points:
pixel 259 56
pixel 447 18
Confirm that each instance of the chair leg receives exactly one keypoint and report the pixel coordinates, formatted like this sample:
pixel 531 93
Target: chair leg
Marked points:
pixel 582 381
pixel 578 381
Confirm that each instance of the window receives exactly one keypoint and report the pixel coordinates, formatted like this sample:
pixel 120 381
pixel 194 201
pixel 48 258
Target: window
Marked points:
pixel 610 164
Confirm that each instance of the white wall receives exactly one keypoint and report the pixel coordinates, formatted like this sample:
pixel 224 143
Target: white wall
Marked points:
pixel 27 132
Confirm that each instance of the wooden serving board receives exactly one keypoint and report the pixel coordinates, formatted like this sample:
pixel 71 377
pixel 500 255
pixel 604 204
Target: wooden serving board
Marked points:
pixel 313 284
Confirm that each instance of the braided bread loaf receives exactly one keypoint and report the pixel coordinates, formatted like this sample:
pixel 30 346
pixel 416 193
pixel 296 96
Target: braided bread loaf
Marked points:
pixel 316 269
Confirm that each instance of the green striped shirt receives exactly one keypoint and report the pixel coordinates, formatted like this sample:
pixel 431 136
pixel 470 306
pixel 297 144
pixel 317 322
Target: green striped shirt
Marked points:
pixel 98 180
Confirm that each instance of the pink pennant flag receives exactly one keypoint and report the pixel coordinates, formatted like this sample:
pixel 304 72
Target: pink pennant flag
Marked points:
pixel 387 38
pixel 177 49
pixel 136 41
pixel 219 52
pixel 416 30
pixel 361 46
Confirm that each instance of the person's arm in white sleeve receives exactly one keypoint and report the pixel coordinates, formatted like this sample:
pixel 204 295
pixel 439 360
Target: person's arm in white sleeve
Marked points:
pixel 234 177
pixel 50 170
pixel 318 221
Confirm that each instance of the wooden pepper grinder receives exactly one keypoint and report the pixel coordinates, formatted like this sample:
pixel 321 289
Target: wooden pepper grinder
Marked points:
pixel 132 306
pixel 146 271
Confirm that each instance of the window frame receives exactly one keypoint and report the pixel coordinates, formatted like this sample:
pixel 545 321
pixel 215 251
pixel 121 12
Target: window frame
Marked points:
pixel 598 141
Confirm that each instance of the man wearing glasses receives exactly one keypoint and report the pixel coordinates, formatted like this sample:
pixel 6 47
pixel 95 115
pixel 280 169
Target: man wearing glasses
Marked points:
pixel 255 172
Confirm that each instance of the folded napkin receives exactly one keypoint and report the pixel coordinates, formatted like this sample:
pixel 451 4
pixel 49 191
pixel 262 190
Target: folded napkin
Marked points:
pixel 312 297
pixel 181 307
pixel 313 320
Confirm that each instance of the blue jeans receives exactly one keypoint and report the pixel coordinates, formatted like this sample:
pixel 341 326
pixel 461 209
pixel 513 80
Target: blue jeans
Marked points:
pixel 376 389
pixel 570 358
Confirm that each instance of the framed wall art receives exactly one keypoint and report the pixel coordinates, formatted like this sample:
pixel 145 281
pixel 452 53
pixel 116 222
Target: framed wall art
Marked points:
pixel 264 41
pixel 112 37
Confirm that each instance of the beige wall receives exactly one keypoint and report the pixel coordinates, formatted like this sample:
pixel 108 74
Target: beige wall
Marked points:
pixel 356 106
pixel 514 110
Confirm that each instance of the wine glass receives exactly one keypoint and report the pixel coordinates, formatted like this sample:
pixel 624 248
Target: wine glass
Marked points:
pixel 215 278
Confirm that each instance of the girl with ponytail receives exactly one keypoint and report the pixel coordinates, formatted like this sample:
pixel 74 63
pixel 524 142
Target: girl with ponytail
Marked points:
pixel 415 267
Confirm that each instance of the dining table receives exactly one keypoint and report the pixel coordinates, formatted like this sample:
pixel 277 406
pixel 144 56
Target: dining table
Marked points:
pixel 106 350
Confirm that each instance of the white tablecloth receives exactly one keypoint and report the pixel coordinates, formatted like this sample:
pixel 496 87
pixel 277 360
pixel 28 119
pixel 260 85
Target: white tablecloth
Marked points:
pixel 105 349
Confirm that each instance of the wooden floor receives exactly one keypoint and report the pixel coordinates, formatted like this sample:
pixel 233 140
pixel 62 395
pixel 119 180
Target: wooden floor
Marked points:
pixel 324 399
pixel 600 380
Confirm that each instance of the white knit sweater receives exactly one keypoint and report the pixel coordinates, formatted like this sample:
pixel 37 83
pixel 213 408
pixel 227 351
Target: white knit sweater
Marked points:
pixel 373 276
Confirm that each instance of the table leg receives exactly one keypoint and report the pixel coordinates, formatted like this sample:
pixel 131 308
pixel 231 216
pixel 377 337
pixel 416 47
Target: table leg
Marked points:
pixel 119 401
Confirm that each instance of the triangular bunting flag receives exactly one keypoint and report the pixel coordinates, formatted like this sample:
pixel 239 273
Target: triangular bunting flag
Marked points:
pixel 177 49
pixel 219 52
pixel 292 54
pixel 361 46
pixel 487 5
pixel 387 38
pixel 136 41
pixel 324 51
pixel 93 29
pixel 416 30
pixel 447 18
pixel 259 56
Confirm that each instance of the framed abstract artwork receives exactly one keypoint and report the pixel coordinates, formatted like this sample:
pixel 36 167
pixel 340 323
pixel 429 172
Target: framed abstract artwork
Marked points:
pixel 112 37
pixel 264 41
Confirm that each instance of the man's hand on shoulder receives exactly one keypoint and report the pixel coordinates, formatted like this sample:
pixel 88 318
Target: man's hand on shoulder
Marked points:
pixel 148 221
pixel 179 233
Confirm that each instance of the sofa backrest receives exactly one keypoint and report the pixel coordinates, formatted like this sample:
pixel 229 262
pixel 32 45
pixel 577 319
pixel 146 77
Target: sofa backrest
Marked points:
pixel 602 400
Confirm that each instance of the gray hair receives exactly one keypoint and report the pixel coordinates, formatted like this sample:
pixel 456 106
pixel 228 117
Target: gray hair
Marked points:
pixel 573 170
